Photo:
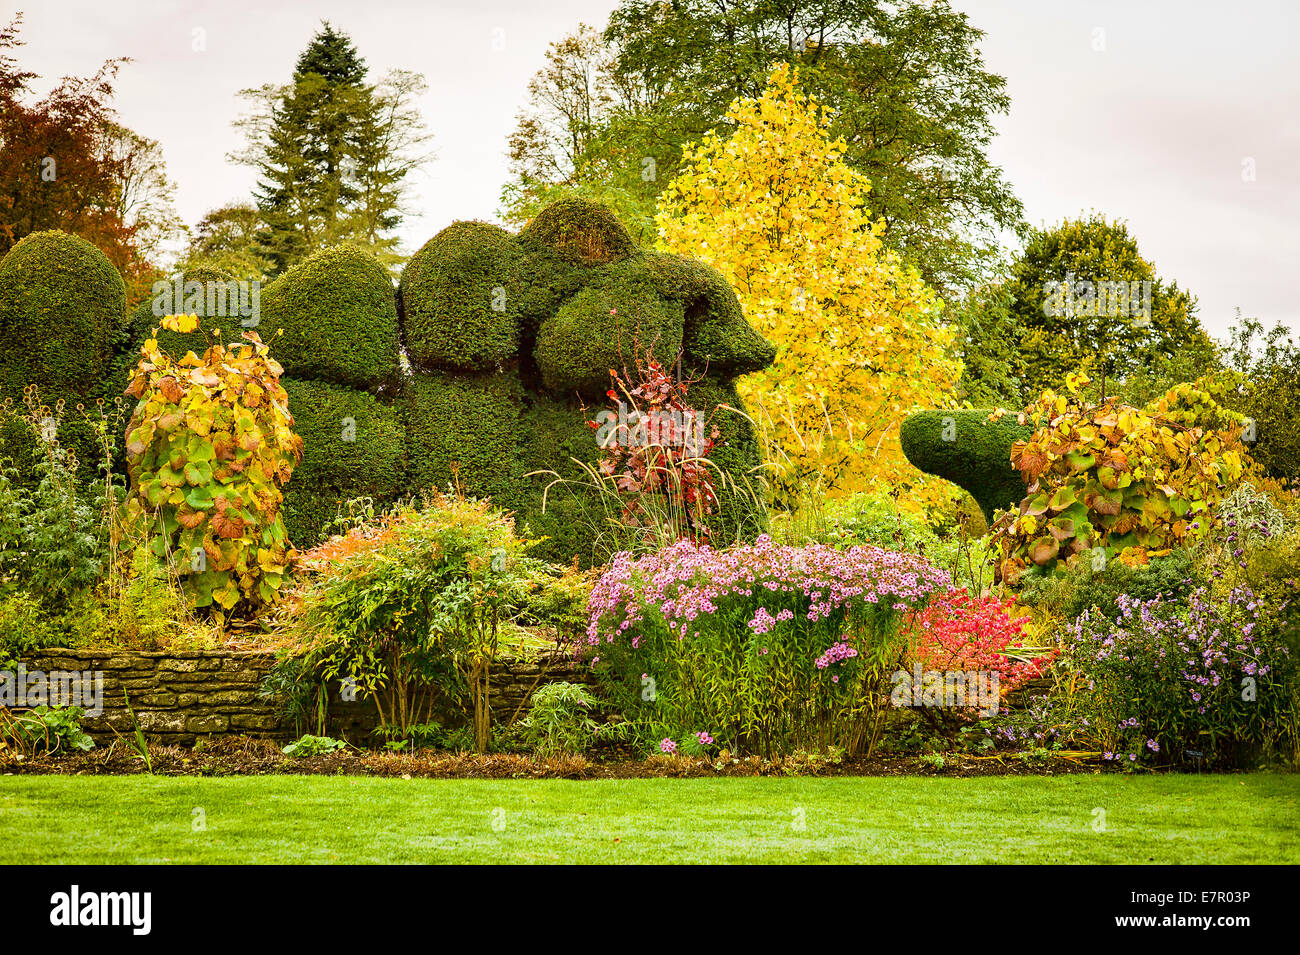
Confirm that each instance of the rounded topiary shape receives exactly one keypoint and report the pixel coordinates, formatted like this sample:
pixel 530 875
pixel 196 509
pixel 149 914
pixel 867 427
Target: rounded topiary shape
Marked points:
pixel 458 301
pixel 717 337
pixel 338 314
pixel 61 303
pixel 463 430
pixel 964 447
pixel 580 232
pixel 210 294
pixel 614 320
pixel 353 446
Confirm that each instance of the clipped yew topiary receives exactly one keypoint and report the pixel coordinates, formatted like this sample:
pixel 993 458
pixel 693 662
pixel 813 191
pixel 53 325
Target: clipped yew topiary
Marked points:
pixel 500 393
pixel 616 317
pixel 580 232
pixel 61 303
pixel 716 337
pixel 463 430
pixel 354 446
pixel 457 299
pixel 966 448
pixel 337 313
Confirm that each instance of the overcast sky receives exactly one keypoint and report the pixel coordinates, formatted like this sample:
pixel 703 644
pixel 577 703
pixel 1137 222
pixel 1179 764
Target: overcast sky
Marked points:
pixel 1149 111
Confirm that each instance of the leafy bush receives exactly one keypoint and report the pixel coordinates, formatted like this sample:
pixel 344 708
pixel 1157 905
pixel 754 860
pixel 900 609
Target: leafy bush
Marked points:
pixel 1111 481
pixel 959 632
pixel 313 746
pixel 560 720
pixel 1066 595
pixel 408 605
pixel 48 729
pixel 1162 679
pixel 209 447
pixel 764 647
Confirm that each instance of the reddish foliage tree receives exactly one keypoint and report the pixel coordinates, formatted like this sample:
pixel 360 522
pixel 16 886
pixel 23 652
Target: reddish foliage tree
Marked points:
pixel 60 169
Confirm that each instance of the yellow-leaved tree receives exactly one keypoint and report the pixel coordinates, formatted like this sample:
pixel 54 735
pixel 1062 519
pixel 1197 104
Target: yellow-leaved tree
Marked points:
pixel 860 338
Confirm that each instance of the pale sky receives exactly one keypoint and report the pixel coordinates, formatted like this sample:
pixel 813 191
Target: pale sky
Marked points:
pixel 1147 111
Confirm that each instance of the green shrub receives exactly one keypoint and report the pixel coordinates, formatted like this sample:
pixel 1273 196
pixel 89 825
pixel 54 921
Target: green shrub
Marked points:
pixel 354 446
pixel 61 303
pixel 409 606
pixel 717 339
pixel 560 720
pixel 49 729
pixel 313 746
pixel 1085 587
pixel 580 232
pixel 465 430
pixel 611 323
pixel 964 447
pixel 338 314
pixel 458 297
pixel 26 626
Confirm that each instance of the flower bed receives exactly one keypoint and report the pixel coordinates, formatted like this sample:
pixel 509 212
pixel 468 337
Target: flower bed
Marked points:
pixel 761 648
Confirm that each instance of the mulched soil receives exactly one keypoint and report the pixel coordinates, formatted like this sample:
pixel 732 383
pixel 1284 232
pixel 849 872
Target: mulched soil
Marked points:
pixel 253 757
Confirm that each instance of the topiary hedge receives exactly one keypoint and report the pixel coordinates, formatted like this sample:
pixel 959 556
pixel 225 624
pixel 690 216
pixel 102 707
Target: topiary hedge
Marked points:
pixel 716 337
pixel 500 393
pixel 353 446
pixel 61 304
pixel 463 430
pixel 964 447
pixel 62 310
pixel 204 292
pixel 617 316
pixel 580 232
pixel 337 312
pixel 456 299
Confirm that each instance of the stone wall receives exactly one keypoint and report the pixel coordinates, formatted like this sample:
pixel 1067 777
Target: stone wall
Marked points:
pixel 181 695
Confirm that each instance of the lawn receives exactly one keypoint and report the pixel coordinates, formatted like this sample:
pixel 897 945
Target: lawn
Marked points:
pixel 300 819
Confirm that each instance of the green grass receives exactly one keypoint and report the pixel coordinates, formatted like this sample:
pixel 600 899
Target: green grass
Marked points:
pixel 262 819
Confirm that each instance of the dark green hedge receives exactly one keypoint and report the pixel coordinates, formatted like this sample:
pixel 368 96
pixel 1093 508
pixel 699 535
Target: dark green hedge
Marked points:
pixel 458 301
pixel 617 316
pixel 463 428
pixel 557 506
pixel 717 338
pixel 334 469
pixel 338 314
pixel 61 305
pixel 580 232
pixel 967 449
